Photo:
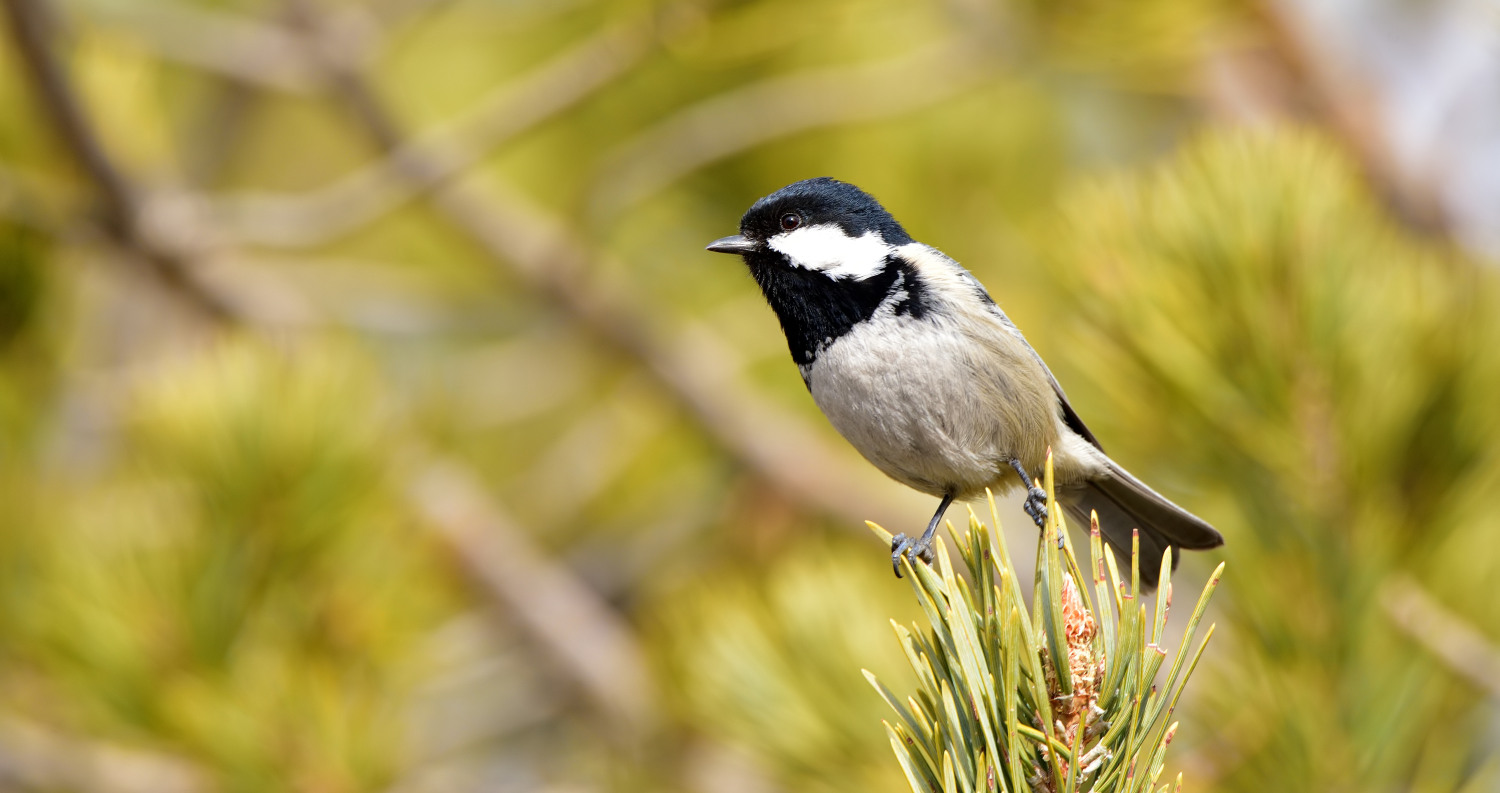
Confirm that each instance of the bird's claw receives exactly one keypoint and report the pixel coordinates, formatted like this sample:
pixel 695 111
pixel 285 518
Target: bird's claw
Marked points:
pixel 902 545
pixel 1036 506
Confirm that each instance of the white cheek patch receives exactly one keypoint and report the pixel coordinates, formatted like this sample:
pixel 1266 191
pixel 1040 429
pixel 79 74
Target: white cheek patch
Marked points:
pixel 828 249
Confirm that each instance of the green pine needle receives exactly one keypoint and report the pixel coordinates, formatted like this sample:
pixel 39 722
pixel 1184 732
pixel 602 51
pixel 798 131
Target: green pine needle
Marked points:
pixel 1008 696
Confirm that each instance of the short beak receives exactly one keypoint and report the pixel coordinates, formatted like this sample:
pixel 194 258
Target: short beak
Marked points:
pixel 735 244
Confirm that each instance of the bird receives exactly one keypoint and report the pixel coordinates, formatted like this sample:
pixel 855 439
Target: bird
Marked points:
pixel 918 368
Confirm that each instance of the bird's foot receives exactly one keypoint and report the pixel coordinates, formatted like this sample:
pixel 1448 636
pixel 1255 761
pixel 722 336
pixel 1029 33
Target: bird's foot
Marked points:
pixel 1036 506
pixel 913 548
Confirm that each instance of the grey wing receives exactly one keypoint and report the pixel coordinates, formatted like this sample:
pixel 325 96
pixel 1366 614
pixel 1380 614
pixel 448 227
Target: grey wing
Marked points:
pixel 1070 416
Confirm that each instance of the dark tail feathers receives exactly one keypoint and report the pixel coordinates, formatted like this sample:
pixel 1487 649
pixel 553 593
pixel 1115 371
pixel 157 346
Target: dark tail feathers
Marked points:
pixel 1125 503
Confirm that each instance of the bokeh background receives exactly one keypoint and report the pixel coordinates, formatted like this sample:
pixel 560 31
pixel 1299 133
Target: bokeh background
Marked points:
pixel 372 419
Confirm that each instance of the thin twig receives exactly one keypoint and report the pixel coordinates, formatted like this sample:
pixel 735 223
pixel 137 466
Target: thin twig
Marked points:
pixel 735 121
pixel 447 150
pixel 523 240
pixel 30 30
pixel 600 443
pixel 567 617
pixel 393 13
pixel 121 208
pixel 1454 640
pixel 529 243
pixel 1351 110
pixel 217 132
pixel 232 45
pixel 35 757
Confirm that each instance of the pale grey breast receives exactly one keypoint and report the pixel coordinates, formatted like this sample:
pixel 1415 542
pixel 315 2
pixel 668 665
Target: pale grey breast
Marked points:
pixel 918 400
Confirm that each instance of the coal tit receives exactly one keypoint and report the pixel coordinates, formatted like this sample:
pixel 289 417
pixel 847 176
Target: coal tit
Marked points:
pixel 916 366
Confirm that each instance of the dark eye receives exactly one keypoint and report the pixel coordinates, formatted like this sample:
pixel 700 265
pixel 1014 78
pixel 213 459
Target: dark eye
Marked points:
pixel 790 221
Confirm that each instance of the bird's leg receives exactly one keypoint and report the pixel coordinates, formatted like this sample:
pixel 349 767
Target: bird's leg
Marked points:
pixel 919 548
pixel 1036 498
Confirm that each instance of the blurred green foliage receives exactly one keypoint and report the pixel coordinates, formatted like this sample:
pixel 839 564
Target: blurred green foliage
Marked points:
pixel 1328 384
pixel 24 347
pixel 241 587
pixel 759 658
pixel 207 541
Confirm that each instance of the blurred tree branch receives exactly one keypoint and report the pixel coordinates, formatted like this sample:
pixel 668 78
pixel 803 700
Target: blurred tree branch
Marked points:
pixel 549 258
pixel 122 210
pixel 393 12
pixel 568 617
pixel 415 166
pixel 33 757
pixel 570 634
pixel 234 46
pixel 599 445
pixel 246 50
pixel 734 121
pixel 524 240
pixel 1449 637
pixel 1350 108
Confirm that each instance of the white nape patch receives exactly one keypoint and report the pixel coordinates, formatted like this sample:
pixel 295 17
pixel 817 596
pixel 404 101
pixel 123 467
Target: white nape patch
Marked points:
pixel 827 249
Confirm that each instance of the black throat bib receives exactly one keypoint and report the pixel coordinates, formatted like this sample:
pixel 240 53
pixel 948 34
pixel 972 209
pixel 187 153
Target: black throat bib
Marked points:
pixel 815 309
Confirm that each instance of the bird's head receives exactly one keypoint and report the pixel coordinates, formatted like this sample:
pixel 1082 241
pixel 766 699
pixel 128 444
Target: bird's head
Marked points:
pixel 818 225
